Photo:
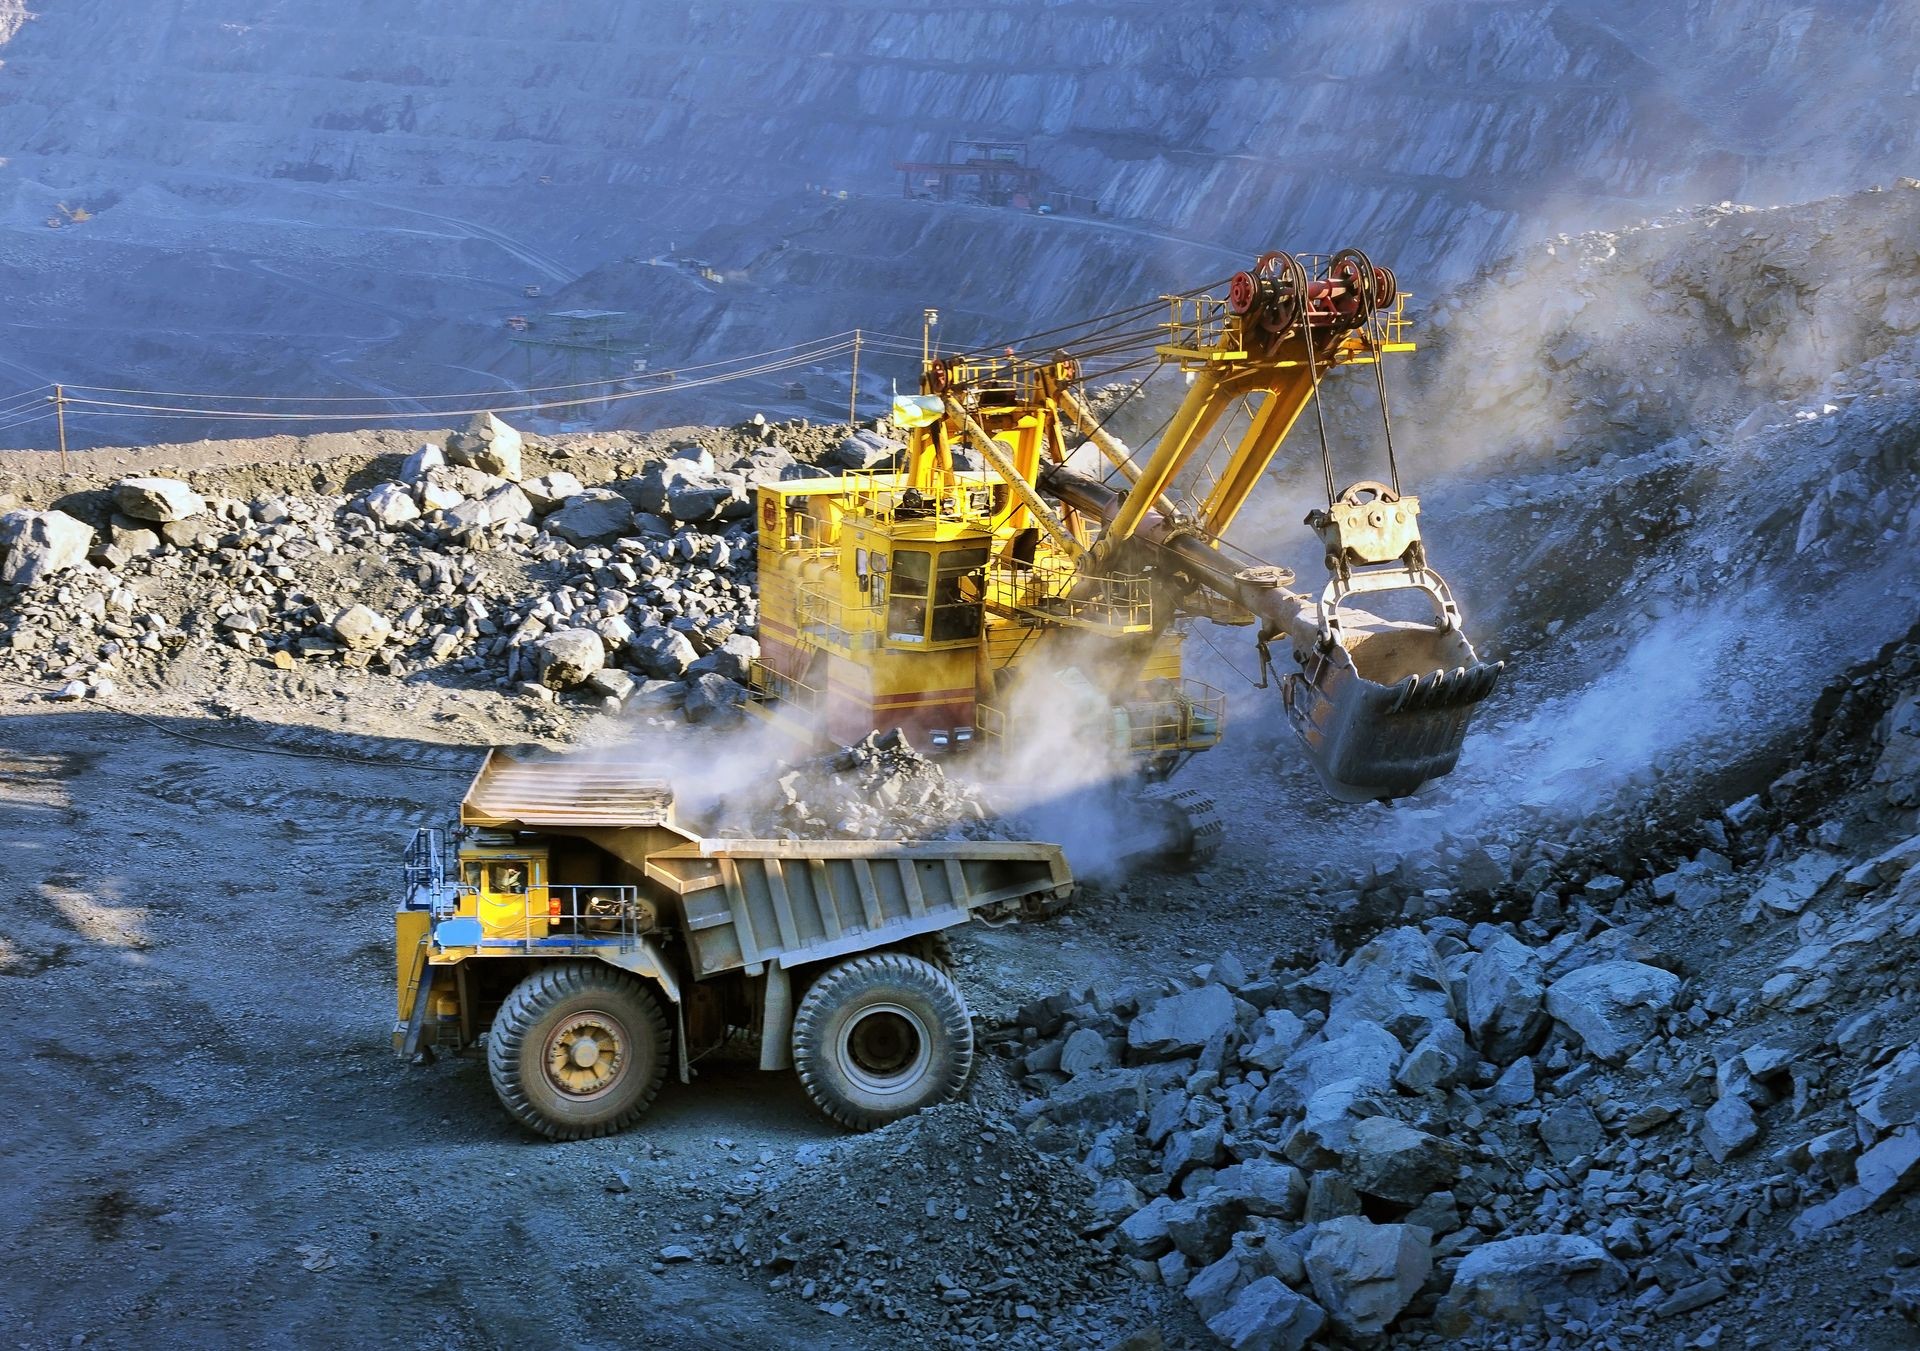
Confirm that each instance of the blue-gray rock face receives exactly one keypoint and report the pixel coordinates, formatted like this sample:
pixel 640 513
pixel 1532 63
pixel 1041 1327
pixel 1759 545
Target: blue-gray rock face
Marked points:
pixel 368 179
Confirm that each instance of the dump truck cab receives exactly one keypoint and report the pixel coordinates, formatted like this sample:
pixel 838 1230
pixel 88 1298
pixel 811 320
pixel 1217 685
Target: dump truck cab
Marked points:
pixel 595 943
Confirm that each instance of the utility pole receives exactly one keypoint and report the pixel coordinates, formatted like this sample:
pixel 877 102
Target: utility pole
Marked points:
pixel 853 395
pixel 60 421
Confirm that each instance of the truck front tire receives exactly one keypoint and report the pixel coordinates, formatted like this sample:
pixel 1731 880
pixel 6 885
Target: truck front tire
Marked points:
pixel 578 1050
pixel 881 1036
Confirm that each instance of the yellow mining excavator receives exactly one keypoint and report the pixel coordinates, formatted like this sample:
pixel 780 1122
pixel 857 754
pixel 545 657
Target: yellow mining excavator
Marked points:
pixel 1020 569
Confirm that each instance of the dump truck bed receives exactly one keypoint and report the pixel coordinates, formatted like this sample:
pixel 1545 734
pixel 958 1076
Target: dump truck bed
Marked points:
pixel 796 901
pixel 746 902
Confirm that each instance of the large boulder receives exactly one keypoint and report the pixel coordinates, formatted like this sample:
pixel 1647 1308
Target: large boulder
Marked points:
pixel 1613 1007
pixel 711 697
pixel 157 499
pixel 1505 987
pixel 1264 1187
pixel 1273 1039
pixel 361 629
pixel 504 506
pixel 733 658
pixel 415 466
pixel 1267 1316
pixel 41 543
pixel 1437 1060
pixel 1182 1023
pixel 489 445
pixel 1363 1056
pixel 663 653
pixel 566 657
pixel 1397 981
pixel 1395 1162
pixel 390 505
pixel 1364 1274
pixel 592 513
pixel 1512 1279
pixel 694 500
pixel 863 450
pixel 550 490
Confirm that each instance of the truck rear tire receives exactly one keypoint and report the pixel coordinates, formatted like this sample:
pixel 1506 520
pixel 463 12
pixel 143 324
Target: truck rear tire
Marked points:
pixel 578 1050
pixel 881 1036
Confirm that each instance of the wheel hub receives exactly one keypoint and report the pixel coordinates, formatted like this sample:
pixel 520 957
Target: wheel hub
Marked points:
pixel 886 1048
pixel 584 1055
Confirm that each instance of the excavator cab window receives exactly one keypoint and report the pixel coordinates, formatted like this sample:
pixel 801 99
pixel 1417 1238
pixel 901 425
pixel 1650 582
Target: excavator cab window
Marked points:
pixel 957 595
pixel 907 610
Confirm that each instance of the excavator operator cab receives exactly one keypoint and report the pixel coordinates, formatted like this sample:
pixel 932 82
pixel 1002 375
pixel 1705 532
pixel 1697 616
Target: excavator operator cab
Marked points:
pixel 936 595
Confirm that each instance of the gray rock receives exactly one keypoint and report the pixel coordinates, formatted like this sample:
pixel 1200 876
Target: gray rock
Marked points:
pixel 389 505
pixel 1113 1200
pixel 693 500
pixel 1505 986
pixel 415 466
pixel 40 543
pixel 1890 1096
pixel 1890 1166
pixel 1897 772
pixel 1273 1039
pixel 157 499
pixel 1085 1050
pixel 1393 1161
pixel 611 683
pixel 1396 981
pixel 1264 1187
pixel 489 445
pixel 1436 1060
pixel 1787 889
pixel 566 657
pixel 1364 1274
pixel 663 653
pixel 733 658
pixel 1099 1095
pixel 1728 1128
pixel 1511 1279
pixel 1515 1086
pixel 1570 1130
pixel 1613 1007
pixel 1196 1148
pixel 1202 1226
pixel 1182 1023
pixel 132 538
pixel 1364 1056
pixel 1144 1233
pixel 1214 1286
pixel 361 629
pixel 505 505
pixel 710 697
pixel 550 490
pixel 590 514
pixel 1267 1316
pixel 863 450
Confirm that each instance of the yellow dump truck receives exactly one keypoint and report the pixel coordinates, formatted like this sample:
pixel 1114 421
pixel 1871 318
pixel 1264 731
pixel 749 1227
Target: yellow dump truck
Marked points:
pixel 595 942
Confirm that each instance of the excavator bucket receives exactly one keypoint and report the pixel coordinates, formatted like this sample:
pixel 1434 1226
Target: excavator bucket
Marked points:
pixel 1382 705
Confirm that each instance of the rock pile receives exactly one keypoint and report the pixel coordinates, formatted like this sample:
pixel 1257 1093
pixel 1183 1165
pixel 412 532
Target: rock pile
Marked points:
pixel 877 788
pixel 953 1230
pixel 1592 1121
pixel 638 591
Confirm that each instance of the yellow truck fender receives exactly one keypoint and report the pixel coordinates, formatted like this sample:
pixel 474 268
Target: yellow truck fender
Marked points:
pixel 646 959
